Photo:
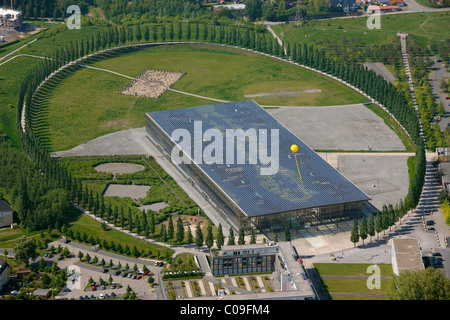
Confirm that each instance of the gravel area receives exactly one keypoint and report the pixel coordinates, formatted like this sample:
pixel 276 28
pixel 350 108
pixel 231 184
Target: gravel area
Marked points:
pixel 131 191
pixel 347 127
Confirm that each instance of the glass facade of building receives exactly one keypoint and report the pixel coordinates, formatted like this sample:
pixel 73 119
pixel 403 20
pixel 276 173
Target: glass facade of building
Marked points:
pixel 224 265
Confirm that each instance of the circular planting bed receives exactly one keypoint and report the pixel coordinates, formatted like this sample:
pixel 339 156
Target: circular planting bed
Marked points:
pixel 119 168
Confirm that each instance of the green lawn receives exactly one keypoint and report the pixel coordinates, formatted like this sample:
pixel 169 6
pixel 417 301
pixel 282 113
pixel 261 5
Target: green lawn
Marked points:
pixel 93 227
pixel 84 104
pixel 355 288
pixel 423 27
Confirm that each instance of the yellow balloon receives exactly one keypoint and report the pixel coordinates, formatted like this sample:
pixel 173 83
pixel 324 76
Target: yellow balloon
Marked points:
pixel 294 148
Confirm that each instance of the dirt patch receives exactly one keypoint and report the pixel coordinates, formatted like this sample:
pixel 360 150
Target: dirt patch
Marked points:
pixel 119 168
pixel 152 83
pixel 115 123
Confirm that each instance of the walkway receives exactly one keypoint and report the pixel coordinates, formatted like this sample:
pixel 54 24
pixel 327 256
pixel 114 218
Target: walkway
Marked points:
pixel 403 37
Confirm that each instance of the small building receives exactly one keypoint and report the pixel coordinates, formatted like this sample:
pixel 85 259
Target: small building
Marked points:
pixel 10 18
pixel 382 9
pixel 6 214
pixel 44 293
pixel 23 273
pixel 400 3
pixel 346 5
pixel 250 258
pixel 444 168
pixel 235 6
pixel 406 255
pixel 443 154
pixel 4 273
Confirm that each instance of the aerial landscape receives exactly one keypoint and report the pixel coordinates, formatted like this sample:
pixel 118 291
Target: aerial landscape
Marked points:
pixel 223 155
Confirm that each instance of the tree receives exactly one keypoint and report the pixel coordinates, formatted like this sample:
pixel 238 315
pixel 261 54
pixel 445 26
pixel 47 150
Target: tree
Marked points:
pixel 428 284
pixel 209 241
pixel 170 229
pixel 171 34
pixel 287 234
pixel 241 238
pixel 253 9
pixel 180 230
pixel 198 236
pixel 220 238
pixel 190 238
pixel 252 237
pixel 231 241
pixel 25 249
pixel 379 223
pixel 363 229
pixel 354 236
pixel 371 226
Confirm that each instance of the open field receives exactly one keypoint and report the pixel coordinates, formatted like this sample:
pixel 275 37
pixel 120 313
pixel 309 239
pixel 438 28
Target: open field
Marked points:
pixel 423 27
pixel 88 98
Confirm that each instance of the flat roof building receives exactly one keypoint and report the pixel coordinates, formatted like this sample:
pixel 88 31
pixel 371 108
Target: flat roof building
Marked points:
pixel 239 157
pixel 406 255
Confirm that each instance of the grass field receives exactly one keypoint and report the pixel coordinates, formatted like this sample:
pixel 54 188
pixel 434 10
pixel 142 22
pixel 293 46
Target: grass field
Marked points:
pixel 423 27
pixel 87 99
pixel 349 281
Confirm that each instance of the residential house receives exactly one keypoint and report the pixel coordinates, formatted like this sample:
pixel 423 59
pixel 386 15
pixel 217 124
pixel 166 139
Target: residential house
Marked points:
pixel 346 5
pixel 6 214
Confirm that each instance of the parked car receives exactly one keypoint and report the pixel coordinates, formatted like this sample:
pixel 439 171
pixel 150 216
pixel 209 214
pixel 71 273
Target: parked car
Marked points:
pixel 101 296
pixel 117 273
pixel 160 264
pixel 113 294
pixel 113 286
pixel 437 254
pixel 430 222
pixel 66 241
pixel 92 296
pixel 103 287
pixel 431 229
pixel 93 288
pixel 125 275
pixel 86 297
pixel 105 270
pixel 447 98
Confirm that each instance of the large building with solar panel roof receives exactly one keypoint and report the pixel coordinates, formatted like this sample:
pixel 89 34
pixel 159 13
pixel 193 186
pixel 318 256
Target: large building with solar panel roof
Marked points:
pixel 239 191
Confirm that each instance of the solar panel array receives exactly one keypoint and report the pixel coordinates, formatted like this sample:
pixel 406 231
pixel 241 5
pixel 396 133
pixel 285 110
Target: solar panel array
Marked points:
pixel 254 193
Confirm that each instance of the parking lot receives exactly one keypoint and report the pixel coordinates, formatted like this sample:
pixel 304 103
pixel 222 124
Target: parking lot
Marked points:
pixel 123 271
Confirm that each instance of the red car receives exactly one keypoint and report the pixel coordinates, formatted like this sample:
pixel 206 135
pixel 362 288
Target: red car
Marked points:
pixel 93 288
pixel 446 98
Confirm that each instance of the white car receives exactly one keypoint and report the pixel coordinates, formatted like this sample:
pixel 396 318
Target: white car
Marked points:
pixel 101 296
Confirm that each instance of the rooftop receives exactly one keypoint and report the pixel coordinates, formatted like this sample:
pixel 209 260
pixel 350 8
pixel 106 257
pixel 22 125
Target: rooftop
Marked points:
pixel 6 10
pixel 407 254
pixel 254 193
pixel 5 207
